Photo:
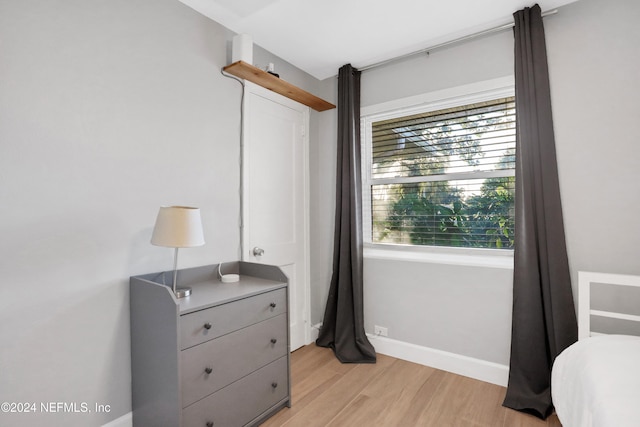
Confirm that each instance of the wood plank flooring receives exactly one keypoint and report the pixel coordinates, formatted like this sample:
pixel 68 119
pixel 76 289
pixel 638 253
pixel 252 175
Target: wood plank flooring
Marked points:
pixel 391 392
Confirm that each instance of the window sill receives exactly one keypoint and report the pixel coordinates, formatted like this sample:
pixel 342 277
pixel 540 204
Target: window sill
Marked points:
pixel 489 258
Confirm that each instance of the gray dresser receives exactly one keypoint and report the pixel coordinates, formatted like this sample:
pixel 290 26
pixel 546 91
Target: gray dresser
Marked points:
pixel 219 357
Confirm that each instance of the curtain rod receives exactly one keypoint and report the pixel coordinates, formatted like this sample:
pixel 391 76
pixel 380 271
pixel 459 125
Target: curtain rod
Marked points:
pixel 449 43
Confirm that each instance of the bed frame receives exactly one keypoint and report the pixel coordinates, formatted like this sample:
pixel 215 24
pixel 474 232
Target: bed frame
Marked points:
pixel 585 279
pixel 602 370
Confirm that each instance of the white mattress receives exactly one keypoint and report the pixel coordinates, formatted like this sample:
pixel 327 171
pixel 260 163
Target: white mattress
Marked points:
pixel 596 382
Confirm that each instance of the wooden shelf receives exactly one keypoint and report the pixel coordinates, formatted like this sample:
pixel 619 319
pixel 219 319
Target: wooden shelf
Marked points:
pixel 256 75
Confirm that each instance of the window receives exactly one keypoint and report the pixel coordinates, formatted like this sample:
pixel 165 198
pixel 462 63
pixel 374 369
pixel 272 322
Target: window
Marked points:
pixel 442 176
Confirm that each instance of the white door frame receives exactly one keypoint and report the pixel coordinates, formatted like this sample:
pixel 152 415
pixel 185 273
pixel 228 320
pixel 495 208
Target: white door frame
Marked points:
pixel 305 285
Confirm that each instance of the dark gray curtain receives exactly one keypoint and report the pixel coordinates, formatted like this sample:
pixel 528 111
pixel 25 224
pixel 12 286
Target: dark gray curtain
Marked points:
pixel 544 321
pixel 343 324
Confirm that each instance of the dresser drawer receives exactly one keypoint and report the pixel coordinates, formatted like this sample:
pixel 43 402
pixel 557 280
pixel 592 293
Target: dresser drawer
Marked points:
pixel 240 402
pixel 213 322
pixel 231 357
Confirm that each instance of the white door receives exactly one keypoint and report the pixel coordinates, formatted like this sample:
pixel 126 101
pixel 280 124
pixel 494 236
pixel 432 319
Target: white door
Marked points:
pixel 275 195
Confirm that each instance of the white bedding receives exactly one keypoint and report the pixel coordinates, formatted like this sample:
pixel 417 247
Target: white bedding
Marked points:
pixel 596 382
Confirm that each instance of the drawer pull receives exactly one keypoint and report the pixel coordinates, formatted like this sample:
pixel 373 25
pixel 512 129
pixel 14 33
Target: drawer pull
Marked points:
pixel 207 325
pixel 273 305
pixel 274 384
pixel 273 340
pixel 208 370
pixel 209 423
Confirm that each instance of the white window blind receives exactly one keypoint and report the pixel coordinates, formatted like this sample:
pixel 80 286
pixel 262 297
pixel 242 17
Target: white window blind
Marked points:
pixel 444 178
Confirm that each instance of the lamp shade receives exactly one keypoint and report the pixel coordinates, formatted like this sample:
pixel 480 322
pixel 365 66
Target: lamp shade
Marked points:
pixel 178 227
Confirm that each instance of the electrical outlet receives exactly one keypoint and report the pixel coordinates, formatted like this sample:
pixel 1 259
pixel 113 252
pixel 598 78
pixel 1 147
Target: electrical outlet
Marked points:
pixel 380 331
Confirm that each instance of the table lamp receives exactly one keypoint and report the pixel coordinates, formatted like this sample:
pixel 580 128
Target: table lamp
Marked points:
pixel 178 227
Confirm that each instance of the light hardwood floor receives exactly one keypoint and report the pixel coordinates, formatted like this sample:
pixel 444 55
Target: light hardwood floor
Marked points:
pixel 391 392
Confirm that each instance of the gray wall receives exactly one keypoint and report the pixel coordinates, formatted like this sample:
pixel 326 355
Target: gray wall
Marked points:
pixel 108 109
pixel 322 165
pixel 593 59
pixel 594 55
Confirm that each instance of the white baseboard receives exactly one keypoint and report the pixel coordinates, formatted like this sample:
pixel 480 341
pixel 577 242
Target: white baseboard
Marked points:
pixel 478 369
pixel 315 330
pixel 124 421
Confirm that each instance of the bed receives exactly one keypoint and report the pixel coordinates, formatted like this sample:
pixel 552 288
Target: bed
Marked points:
pixel 596 381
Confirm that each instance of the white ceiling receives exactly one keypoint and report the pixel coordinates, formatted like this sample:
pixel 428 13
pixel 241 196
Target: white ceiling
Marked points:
pixel 319 36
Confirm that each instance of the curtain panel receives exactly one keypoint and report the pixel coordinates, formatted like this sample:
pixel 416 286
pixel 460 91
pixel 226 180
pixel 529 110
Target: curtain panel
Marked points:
pixel 343 324
pixel 544 321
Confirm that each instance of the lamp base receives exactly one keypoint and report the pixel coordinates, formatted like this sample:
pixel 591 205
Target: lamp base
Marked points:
pixel 182 292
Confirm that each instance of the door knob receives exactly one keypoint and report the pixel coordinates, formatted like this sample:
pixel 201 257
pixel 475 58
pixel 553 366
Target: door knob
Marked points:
pixel 258 251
